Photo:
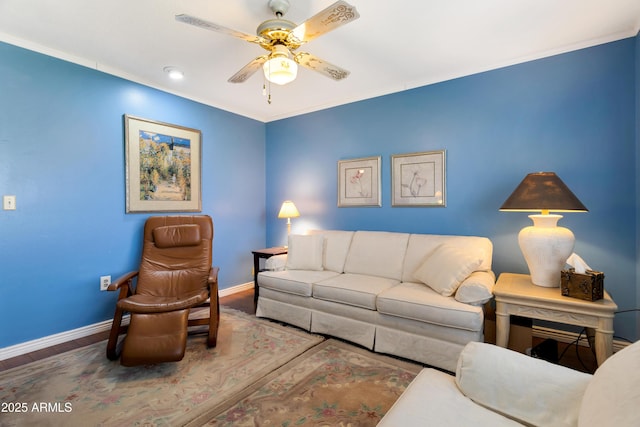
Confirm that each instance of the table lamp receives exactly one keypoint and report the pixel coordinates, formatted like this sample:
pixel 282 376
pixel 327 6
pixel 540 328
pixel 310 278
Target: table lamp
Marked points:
pixel 545 246
pixel 288 210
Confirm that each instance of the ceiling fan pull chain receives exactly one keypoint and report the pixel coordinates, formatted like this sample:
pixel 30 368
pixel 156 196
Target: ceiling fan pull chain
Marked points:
pixel 264 89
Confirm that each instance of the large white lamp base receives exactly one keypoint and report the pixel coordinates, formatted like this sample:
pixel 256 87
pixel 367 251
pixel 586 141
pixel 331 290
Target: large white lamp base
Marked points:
pixel 546 247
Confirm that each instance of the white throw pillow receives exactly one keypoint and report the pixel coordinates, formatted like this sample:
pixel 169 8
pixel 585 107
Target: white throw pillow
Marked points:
pixel 305 252
pixel 445 268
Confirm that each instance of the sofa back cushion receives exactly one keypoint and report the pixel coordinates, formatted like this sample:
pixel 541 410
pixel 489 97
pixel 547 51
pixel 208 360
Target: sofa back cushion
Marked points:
pixel 336 247
pixel 612 397
pixel 420 246
pixel 377 253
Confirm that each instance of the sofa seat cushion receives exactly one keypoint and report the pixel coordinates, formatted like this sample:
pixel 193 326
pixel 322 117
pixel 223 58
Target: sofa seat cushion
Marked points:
pixel 418 302
pixel 433 399
pixel 297 282
pixel 354 289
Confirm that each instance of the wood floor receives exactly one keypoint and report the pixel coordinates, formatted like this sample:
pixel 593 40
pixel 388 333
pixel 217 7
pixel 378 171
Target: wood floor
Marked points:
pixel 580 358
pixel 242 301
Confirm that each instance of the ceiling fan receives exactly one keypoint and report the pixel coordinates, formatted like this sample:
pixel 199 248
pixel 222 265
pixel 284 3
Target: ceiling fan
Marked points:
pixel 282 38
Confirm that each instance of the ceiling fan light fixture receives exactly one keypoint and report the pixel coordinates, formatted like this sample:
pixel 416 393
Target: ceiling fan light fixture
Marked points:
pixel 280 37
pixel 280 68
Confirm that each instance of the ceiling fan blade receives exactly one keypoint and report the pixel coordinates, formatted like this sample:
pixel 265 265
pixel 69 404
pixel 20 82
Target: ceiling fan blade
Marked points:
pixel 323 67
pixel 248 70
pixel 334 16
pixel 207 25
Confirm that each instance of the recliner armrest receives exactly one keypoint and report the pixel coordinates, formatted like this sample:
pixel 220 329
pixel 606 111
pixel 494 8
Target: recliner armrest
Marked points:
pixel 123 280
pixel 213 277
pixel 528 390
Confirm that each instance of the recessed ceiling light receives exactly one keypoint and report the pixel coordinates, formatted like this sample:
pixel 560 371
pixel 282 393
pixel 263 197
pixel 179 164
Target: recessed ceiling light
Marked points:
pixel 174 73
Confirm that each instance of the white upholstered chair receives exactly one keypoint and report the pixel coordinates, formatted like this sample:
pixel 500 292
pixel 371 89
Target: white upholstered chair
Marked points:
pixel 494 386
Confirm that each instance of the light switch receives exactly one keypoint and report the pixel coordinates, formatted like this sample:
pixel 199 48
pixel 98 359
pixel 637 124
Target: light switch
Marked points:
pixel 9 203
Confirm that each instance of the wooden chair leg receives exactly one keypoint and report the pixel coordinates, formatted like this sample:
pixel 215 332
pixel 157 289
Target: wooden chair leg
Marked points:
pixel 113 352
pixel 214 322
pixel 112 344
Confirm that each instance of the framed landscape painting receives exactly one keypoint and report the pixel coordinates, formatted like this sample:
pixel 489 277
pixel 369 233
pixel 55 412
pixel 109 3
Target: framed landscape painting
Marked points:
pixel 359 182
pixel 163 167
pixel 418 179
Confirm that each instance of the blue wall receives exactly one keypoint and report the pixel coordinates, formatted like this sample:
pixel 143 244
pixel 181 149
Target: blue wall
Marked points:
pixel 574 114
pixel 62 155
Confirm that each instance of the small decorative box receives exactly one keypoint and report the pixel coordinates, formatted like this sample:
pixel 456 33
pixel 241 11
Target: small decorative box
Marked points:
pixel 588 286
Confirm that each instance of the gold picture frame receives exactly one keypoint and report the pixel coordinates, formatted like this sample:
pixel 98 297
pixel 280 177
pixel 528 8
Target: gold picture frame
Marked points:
pixel 419 179
pixel 163 167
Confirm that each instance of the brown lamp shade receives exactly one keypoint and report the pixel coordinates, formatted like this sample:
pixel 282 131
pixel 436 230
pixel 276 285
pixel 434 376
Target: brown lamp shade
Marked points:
pixel 543 191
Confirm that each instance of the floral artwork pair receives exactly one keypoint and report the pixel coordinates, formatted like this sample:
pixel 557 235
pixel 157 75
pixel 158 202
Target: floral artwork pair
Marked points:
pixel 417 179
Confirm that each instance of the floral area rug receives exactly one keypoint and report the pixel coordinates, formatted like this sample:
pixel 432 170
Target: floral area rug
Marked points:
pixel 332 384
pixel 83 388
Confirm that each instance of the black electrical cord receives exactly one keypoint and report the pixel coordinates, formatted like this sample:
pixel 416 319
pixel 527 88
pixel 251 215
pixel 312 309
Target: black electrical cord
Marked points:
pixel 627 311
pixel 576 343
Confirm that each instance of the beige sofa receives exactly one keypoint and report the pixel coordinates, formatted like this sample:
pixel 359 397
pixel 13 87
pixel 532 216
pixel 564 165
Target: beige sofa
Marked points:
pixel 417 296
pixel 494 386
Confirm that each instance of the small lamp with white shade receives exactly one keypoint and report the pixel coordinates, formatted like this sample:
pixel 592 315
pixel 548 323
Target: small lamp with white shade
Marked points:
pixel 288 210
pixel 545 246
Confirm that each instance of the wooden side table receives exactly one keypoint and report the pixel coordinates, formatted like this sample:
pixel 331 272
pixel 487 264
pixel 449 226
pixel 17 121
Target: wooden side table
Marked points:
pixel 516 295
pixel 263 254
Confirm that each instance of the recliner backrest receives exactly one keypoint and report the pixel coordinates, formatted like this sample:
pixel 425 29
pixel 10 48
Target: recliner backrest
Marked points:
pixel 176 255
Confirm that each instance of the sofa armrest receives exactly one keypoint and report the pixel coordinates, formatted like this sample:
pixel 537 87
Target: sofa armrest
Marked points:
pixel 476 289
pixel 276 263
pixel 528 390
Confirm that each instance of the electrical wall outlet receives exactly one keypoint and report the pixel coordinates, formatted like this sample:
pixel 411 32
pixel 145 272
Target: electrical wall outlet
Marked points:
pixel 105 281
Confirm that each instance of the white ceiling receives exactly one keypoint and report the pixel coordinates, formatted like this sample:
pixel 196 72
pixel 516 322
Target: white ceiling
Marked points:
pixel 393 46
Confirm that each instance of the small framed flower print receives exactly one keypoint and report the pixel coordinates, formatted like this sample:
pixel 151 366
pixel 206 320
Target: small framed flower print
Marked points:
pixel 359 182
pixel 418 179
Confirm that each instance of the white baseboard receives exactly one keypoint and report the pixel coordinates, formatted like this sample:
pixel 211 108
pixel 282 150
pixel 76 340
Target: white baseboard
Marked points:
pixel 51 340
pixel 235 289
pixel 569 337
pixel 62 337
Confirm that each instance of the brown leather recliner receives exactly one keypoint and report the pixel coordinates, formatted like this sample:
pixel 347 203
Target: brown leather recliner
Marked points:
pixel 175 275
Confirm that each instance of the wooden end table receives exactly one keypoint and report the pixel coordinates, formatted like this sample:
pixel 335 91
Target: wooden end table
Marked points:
pixel 263 254
pixel 516 295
